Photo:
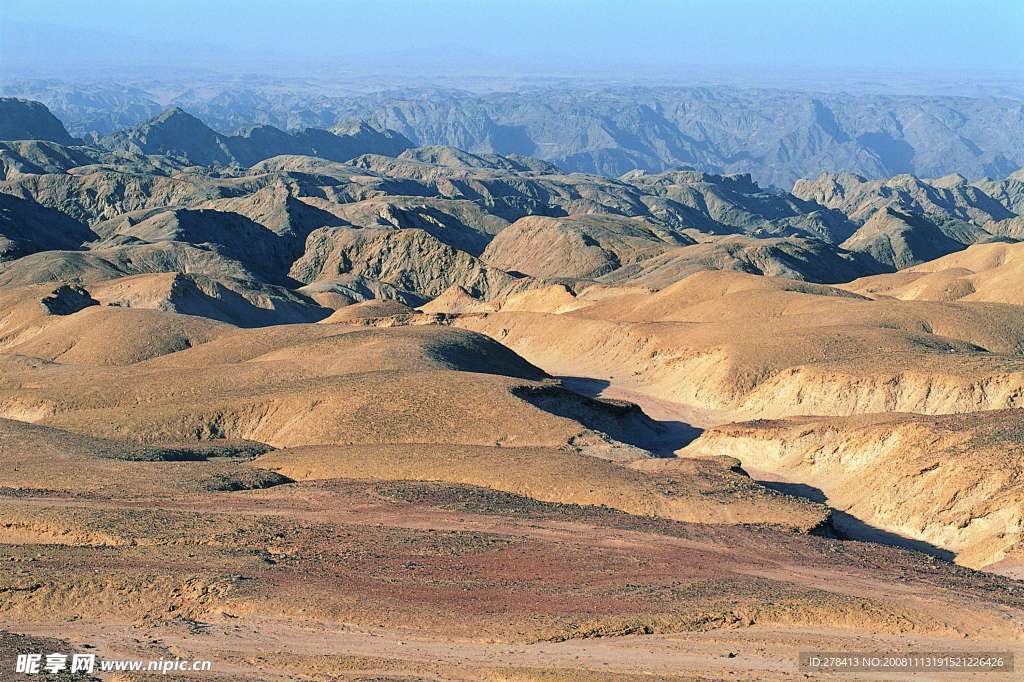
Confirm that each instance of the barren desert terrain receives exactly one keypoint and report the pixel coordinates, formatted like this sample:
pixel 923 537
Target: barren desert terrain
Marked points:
pixel 388 412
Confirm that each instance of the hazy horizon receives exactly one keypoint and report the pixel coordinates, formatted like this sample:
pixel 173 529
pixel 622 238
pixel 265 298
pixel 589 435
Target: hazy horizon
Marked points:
pixel 917 40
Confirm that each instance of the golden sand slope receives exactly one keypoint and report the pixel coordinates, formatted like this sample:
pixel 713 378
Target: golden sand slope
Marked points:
pixel 62 322
pixel 426 390
pixel 685 490
pixel 37 457
pixel 719 347
pixel 984 272
pixel 739 345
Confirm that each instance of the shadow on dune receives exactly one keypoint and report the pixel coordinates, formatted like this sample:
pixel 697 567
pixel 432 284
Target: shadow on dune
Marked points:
pixel 668 436
pixel 672 435
pixel 808 492
pixel 849 527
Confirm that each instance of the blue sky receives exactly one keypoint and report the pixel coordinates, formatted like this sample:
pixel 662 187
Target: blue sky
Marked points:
pixel 902 35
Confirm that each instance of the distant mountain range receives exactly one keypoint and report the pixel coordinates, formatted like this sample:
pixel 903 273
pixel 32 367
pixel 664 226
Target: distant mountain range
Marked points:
pixel 176 133
pixel 417 220
pixel 777 136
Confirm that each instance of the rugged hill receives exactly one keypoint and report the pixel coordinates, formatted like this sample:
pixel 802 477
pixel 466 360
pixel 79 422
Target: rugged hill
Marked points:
pixel 901 239
pixel 411 227
pixel 177 133
pixel 737 201
pixel 951 196
pixel 39 156
pixel 905 220
pixel 1008 191
pixel 578 246
pixel 410 260
pixel 22 119
pixel 232 235
pixel 27 227
pixel 460 223
pixel 454 157
pixel 793 257
pixel 840 228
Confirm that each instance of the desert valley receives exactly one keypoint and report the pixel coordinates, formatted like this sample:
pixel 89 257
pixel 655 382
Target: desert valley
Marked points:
pixel 336 404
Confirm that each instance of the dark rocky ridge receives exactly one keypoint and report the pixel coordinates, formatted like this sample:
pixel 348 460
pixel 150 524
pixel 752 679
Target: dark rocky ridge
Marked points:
pixel 178 133
pixel 22 119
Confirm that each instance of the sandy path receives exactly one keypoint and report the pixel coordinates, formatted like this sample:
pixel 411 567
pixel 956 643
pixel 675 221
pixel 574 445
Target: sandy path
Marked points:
pixel 282 649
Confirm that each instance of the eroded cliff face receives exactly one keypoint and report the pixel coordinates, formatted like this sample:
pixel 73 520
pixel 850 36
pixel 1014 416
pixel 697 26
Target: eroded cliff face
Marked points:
pixel 948 474
pixel 952 481
pixel 904 415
